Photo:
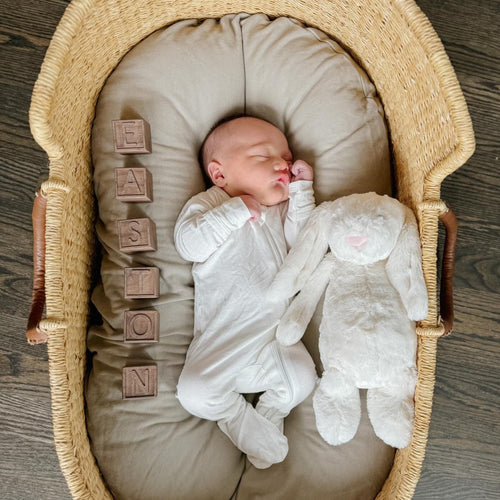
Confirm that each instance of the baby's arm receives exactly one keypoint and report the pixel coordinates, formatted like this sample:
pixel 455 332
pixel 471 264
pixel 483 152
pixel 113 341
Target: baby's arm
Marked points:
pixel 301 202
pixel 203 225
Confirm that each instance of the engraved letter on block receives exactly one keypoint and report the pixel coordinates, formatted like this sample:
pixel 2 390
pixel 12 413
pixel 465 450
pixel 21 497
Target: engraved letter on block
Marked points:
pixel 142 282
pixel 134 184
pixel 137 235
pixel 141 326
pixel 132 136
pixel 140 382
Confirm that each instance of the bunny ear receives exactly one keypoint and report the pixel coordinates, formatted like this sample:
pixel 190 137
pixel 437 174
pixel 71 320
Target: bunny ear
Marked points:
pixel 303 258
pixel 404 269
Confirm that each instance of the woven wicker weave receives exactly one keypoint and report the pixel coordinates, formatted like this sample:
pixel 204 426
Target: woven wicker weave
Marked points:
pixel 431 136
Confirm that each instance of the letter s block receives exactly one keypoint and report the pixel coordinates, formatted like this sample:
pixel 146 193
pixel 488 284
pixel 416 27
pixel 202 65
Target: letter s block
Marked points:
pixel 139 382
pixel 137 235
pixel 141 326
pixel 132 137
pixel 134 184
pixel 142 282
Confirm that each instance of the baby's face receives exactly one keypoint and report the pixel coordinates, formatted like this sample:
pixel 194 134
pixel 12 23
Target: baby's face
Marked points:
pixel 252 157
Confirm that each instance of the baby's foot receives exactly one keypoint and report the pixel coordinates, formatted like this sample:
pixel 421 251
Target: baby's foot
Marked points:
pixel 256 436
pixel 273 415
pixel 259 463
pixel 272 453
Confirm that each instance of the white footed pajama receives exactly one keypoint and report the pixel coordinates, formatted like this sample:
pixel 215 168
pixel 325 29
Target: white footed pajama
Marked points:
pixel 234 351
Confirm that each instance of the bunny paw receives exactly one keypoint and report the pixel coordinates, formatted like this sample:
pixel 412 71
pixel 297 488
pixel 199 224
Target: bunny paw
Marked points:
pixel 289 332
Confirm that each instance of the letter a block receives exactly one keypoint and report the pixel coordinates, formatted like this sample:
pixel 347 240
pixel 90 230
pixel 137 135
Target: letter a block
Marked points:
pixel 134 184
pixel 132 137
pixel 141 326
pixel 142 282
pixel 137 235
pixel 139 382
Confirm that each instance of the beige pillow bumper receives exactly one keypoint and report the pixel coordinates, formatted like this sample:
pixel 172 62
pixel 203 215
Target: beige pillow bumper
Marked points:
pixel 182 80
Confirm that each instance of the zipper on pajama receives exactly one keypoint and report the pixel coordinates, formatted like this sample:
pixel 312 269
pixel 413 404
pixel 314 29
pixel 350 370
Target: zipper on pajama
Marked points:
pixel 281 368
pixel 272 245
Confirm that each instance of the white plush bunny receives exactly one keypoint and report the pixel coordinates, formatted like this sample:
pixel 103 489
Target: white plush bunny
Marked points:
pixel 375 290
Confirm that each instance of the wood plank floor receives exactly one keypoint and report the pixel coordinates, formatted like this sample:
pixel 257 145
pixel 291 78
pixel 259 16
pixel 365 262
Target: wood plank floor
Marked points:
pixel 463 453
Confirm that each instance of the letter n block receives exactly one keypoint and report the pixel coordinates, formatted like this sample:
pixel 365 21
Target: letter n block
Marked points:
pixel 141 326
pixel 137 235
pixel 132 136
pixel 142 283
pixel 134 184
pixel 139 382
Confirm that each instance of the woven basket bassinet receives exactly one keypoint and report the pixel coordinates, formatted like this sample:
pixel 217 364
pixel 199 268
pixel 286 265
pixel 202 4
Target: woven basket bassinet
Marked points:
pixel 430 131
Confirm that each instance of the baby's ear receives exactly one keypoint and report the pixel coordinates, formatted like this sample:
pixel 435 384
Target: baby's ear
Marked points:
pixel 216 173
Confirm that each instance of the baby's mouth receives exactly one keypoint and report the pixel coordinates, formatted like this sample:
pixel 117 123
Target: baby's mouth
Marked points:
pixel 284 179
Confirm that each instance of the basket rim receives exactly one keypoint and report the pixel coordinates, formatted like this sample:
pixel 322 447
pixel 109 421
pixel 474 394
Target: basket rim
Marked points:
pixel 421 26
pixel 76 11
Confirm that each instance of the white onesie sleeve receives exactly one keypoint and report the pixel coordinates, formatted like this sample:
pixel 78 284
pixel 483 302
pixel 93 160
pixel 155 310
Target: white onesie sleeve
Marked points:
pixel 300 205
pixel 206 221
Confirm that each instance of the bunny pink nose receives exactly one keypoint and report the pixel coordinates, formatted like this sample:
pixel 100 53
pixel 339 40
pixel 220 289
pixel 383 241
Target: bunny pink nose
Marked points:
pixel 356 241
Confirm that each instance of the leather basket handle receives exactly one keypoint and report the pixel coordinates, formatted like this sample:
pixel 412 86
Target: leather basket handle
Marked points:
pixel 34 334
pixel 446 292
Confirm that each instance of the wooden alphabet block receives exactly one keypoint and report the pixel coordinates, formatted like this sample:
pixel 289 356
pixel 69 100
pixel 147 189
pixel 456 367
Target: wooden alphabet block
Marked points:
pixel 137 235
pixel 141 326
pixel 134 184
pixel 140 382
pixel 132 137
pixel 142 282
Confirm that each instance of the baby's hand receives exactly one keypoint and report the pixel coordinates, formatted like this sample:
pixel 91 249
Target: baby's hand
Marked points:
pixel 301 171
pixel 253 206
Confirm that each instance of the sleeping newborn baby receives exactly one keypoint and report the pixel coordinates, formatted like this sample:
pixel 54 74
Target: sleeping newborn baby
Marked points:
pixel 238 233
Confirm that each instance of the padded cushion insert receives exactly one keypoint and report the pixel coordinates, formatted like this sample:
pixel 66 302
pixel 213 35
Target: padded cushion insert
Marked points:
pixel 181 80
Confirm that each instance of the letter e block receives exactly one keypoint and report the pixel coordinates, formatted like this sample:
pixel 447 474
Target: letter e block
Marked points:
pixel 139 382
pixel 132 136
pixel 142 282
pixel 137 235
pixel 141 326
pixel 134 184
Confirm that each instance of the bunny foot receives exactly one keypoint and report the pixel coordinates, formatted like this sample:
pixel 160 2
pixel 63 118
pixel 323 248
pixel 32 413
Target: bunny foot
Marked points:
pixel 337 408
pixel 391 414
pixel 289 331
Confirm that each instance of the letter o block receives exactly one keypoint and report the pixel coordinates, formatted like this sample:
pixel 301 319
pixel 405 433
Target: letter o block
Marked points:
pixel 139 382
pixel 141 326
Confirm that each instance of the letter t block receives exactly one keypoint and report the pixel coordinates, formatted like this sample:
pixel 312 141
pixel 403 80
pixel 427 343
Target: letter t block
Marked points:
pixel 142 282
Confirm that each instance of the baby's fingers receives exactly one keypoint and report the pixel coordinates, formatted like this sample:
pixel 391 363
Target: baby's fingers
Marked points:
pixel 302 171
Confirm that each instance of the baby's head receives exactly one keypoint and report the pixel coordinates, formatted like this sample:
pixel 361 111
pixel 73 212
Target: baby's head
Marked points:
pixel 249 156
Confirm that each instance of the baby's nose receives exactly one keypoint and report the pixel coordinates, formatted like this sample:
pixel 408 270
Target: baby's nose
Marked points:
pixel 282 165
